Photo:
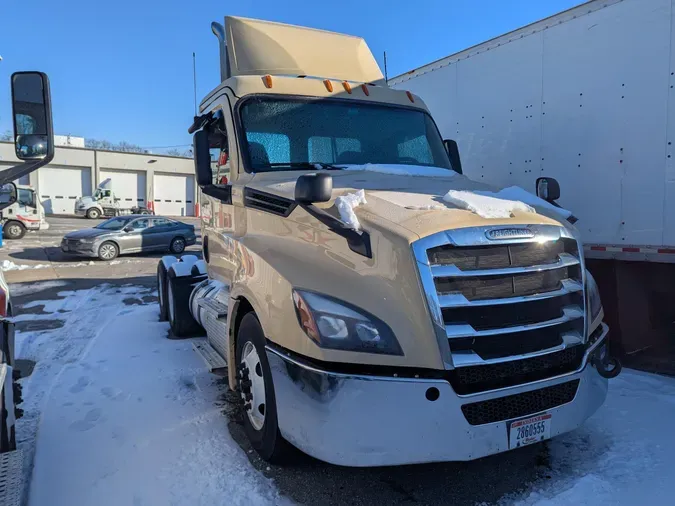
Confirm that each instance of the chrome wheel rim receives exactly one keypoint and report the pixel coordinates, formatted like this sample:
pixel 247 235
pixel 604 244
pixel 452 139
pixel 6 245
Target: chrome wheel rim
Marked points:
pixel 14 230
pixel 107 252
pixel 170 295
pixel 253 386
pixel 93 214
pixel 178 245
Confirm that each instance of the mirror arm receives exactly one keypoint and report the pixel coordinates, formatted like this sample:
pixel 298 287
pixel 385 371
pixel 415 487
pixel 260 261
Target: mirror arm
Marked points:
pixel 359 242
pixel 21 170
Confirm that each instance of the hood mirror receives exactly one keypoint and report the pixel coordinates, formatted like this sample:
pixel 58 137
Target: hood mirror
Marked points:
pixel 317 187
pixel 548 189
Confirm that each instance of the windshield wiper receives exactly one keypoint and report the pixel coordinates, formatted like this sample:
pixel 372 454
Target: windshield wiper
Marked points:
pixel 304 165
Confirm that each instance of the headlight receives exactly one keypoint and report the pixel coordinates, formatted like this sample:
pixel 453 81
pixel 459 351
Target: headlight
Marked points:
pixel 337 325
pixel 593 297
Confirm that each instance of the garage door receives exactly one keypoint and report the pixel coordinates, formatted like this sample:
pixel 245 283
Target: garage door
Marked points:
pixel 61 186
pixel 174 195
pixel 127 185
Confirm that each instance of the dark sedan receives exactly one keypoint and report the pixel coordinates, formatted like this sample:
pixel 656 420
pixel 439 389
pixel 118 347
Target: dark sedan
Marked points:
pixel 130 234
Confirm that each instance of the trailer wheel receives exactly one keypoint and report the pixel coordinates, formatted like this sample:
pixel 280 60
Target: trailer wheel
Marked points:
pixel 93 214
pixel 178 291
pixel 14 230
pixel 254 380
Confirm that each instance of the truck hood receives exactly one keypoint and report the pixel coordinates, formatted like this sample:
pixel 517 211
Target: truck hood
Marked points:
pixel 85 200
pixel 413 203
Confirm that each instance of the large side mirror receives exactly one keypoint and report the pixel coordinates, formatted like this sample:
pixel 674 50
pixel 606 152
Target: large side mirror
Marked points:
pixel 548 189
pixel 453 152
pixel 8 195
pixel 310 188
pixel 32 112
pixel 202 158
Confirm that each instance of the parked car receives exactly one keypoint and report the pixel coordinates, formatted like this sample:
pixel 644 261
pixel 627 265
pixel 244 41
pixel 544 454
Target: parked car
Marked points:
pixel 130 234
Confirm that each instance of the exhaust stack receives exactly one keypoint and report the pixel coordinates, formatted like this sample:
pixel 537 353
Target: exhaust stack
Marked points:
pixel 219 31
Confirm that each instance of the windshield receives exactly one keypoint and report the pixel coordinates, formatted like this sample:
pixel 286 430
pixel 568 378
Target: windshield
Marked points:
pixel 283 133
pixel 114 224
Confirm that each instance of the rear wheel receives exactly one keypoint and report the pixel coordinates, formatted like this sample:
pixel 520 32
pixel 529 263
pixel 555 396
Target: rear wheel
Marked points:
pixel 178 291
pixel 177 245
pixel 162 289
pixel 14 230
pixel 254 379
pixel 108 251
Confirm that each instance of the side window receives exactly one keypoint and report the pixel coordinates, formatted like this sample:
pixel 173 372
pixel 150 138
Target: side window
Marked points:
pixel 162 222
pixel 416 150
pixel 106 193
pixel 141 224
pixel 265 148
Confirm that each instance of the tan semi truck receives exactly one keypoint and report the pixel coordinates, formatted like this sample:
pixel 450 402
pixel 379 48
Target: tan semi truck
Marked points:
pixel 370 304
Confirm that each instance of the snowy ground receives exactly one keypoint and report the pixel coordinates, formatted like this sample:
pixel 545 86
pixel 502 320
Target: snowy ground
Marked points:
pixel 121 415
pixel 116 413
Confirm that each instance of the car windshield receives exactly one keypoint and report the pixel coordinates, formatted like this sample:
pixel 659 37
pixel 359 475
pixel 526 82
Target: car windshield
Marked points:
pixel 114 224
pixel 285 134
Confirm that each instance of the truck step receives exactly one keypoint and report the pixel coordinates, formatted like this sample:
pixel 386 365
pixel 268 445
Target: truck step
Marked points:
pixel 11 478
pixel 210 356
pixel 214 306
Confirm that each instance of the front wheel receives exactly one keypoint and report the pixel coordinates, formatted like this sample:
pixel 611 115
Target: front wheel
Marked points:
pixel 254 379
pixel 108 251
pixel 14 230
pixel 93 213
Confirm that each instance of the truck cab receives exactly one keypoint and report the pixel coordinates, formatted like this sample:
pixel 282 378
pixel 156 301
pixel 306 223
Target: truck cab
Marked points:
pixel 26 213
pixel 362 296
pixel 104 203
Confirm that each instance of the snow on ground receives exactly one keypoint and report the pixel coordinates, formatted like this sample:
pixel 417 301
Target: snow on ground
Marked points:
pixel 8 265
pixel 623 455
pixel 345 206
pixel 117 414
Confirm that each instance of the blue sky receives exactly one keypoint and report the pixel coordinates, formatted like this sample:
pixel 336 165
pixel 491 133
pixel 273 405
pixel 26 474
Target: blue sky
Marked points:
pixel 122 70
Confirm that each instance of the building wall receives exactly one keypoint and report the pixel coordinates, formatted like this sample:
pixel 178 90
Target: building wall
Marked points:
pixel 97 160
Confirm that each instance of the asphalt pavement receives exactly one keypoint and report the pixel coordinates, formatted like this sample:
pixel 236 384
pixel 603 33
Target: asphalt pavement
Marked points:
pixel 305 480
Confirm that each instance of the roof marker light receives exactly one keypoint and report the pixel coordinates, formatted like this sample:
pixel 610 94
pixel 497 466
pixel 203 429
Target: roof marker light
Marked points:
pixel 347 87
pixel 267 80
pixel 365 89
pixel 410 96
pixel 328 84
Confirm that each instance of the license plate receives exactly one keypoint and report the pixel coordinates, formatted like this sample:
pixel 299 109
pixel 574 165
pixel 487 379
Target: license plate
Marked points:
pixel 529 430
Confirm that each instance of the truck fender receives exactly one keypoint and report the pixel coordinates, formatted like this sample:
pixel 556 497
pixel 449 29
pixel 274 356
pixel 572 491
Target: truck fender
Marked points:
pixel 181 267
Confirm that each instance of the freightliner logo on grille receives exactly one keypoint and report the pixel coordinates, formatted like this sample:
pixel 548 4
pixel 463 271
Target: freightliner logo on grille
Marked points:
pixel 509 233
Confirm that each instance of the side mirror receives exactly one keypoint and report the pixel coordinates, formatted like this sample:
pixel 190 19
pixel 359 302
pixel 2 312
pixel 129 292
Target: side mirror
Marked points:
pixel 548 189
pixel 128 228
pixel 453 152
pixel 202 158
pixel 310 188
pixel 8 195
pixel 32 113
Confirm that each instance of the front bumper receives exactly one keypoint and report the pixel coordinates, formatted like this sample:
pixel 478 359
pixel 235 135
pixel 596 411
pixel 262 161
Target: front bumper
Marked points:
pixel 86 249
pixel 80 212
pixel 376 421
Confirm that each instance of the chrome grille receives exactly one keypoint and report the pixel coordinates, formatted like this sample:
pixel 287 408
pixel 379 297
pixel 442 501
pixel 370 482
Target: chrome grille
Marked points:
pixel 496 301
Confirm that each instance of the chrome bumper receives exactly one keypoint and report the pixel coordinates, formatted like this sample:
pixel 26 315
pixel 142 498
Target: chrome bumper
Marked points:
pixel 365 421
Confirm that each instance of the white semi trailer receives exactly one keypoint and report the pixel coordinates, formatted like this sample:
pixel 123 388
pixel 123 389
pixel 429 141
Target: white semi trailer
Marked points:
pixel 586 97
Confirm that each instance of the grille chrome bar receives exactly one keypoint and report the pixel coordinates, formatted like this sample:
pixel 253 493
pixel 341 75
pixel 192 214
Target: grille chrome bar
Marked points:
pixel 450 271
pixel 459 300
pixel 467 359
pixel 462 330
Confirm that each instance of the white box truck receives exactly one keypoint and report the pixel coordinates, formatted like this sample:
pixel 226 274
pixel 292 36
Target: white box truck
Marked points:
pixel 586 97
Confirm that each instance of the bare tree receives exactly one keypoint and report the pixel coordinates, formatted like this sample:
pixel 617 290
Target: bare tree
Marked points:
pixel 7 135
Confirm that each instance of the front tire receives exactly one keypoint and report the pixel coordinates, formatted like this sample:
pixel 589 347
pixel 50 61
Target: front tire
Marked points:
pixel 254 379
pixel 14 230
pixel 93 214
pixel 108 251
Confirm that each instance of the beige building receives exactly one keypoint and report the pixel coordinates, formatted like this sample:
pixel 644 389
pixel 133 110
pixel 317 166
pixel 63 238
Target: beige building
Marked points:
pixel 164 183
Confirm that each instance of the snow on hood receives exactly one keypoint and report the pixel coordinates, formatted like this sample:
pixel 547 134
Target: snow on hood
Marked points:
pixel 403 170
pixel 345 206
pixel 486 204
